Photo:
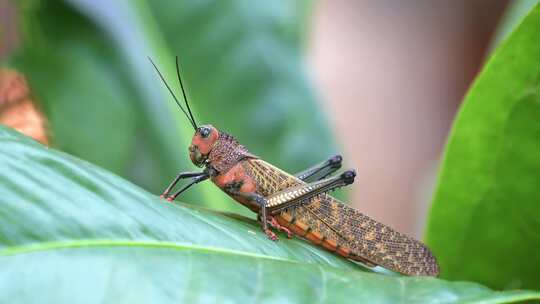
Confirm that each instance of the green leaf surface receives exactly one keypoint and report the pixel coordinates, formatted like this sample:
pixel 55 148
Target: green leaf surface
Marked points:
pixel 485 223
pixel 72 232
pixel 87 63
pixel 159 273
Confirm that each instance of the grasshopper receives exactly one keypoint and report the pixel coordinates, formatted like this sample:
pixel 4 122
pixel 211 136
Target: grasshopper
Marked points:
pixel 297 204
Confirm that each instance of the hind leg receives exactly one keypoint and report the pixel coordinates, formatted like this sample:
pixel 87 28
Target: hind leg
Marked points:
pixel 324 169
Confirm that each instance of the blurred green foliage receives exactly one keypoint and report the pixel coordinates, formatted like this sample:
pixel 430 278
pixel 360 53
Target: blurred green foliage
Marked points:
pixel 484 225
pixel 87 63
pixel 73 232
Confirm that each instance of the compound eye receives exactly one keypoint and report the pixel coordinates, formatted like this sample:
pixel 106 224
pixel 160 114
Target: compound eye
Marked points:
pixel 204 131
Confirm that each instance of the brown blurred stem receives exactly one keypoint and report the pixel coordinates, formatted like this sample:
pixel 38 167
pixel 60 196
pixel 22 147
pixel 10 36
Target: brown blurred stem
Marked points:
pixel 18 109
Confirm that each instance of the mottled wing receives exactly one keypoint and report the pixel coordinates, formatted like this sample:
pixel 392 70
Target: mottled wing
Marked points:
pixel 364 238
pixel 372 240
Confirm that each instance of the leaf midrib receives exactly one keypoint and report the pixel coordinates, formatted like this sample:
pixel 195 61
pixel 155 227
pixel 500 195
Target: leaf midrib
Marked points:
pixel 49 246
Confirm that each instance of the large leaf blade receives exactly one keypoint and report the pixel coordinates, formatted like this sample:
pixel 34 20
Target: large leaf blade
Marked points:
pixel 484 222
pixel 131 272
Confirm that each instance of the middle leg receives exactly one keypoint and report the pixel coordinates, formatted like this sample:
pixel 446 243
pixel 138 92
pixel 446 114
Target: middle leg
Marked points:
pixel 180 176
pixel 263 208
pixel 194 180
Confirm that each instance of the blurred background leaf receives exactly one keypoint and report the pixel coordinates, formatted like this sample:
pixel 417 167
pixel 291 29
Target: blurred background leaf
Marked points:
pixel 86 61
pixel 73 232
pixel 484 223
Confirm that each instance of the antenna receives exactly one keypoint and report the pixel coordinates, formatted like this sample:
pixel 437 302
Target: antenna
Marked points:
pixel 183 92
pixel 174 96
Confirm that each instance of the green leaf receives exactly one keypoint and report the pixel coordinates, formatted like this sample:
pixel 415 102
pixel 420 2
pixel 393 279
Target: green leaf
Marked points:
pixel 72 232
pixel 484 224
pixel 241 66
pixel 146 272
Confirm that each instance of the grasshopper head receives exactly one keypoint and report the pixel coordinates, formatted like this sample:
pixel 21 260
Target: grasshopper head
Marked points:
pixel 202 143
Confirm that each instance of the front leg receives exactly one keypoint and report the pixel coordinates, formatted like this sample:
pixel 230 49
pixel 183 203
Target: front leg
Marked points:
pixel 180 176
pixel 194 180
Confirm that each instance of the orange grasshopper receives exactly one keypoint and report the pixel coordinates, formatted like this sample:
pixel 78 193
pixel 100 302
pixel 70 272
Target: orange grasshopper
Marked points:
pixel 297 204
